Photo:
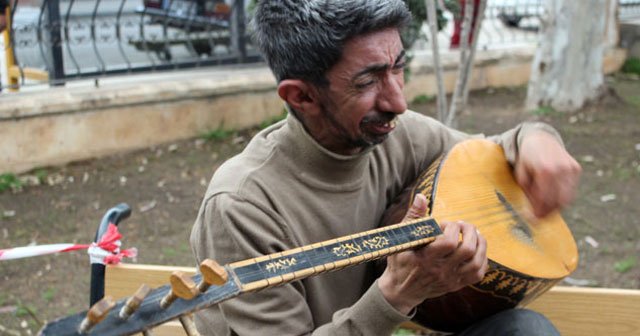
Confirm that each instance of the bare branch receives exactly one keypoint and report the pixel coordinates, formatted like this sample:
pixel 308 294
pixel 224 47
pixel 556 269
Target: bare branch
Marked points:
pixel 456 100
pixel 433 28
pixel 474 46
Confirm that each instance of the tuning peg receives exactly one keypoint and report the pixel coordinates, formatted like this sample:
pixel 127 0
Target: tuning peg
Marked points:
pixel 212 275
pixel 133 303
pixel 182 286
pixel 96 314
pixel 189 325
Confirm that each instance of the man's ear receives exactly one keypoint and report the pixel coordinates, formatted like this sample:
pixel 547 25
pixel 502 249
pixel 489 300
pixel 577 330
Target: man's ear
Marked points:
pixel 300 95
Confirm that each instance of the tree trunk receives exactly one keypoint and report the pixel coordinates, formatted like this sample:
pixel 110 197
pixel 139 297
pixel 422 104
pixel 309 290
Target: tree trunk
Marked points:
pixel 567 68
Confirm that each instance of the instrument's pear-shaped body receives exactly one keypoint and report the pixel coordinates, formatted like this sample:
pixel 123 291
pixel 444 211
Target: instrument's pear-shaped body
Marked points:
pixel 527 256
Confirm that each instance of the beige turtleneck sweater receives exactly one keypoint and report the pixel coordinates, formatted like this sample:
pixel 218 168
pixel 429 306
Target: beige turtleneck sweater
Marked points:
pixel 284 191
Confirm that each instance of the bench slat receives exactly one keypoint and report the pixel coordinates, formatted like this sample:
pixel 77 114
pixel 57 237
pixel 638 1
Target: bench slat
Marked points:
pixel 574 311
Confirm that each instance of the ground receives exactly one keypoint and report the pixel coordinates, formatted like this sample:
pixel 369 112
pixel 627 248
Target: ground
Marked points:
pixel 164 186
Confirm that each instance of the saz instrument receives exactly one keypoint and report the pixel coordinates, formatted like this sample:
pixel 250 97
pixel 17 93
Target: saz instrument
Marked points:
pixel 473 182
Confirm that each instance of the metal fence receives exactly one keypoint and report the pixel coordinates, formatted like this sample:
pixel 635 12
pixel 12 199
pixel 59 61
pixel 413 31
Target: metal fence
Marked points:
pixel 61 40
pixel 65 40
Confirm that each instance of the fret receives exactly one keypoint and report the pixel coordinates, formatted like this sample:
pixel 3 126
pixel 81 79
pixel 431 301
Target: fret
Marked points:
pixel 319 255
pixel 274 280
pixel 325 260
pixel 393 236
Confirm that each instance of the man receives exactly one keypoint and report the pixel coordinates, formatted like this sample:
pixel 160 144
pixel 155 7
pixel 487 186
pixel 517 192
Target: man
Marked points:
pixel 347 148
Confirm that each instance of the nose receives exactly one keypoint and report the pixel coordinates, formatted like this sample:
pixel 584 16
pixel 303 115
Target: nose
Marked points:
pixel 390 97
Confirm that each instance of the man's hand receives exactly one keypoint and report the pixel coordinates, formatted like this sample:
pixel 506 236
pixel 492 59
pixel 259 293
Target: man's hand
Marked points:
pixel 446 265
pixel 546 172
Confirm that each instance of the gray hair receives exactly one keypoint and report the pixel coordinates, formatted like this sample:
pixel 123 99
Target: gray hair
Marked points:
pixel 303 39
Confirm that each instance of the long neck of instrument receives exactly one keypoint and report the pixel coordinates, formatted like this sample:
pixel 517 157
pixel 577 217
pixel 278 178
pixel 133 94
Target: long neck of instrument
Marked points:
pixel 275 269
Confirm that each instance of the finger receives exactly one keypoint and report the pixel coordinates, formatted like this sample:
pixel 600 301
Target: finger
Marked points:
pixel 475 269
pixel 445 244
pixel 529 185
pixel 522 176
pixel 418 208
pixel 544 192
pixel 569 183
pixel 553 184
pixel 468 246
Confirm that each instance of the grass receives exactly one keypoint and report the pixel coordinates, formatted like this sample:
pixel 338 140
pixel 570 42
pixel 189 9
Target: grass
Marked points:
pixel 625 265
pixel 9 181
pixel 41 174
pixel 218 134
pixel 423 99
pixel 634 100
pixel 49 294
pixel 222 133
pixel 169 252
pixel 25 310
pixel 270 121
pixel 543 111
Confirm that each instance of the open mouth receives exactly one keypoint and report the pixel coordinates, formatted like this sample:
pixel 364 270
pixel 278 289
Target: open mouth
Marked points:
pixel 379 127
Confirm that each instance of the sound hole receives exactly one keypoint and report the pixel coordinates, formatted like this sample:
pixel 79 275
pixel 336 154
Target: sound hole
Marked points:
pixel 520 229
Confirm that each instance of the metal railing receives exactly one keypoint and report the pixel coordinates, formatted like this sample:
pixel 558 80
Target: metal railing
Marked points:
pixel 57 41
pixel 60 40
pixel 629 9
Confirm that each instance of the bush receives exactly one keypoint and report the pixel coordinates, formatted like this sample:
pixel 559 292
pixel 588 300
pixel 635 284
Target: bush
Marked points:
pixel 631 65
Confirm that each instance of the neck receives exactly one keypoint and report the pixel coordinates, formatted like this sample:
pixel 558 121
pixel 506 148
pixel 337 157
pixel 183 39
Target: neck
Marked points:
pixel 283 267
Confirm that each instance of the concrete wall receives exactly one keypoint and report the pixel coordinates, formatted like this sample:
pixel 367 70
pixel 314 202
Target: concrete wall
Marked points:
pixel 62 125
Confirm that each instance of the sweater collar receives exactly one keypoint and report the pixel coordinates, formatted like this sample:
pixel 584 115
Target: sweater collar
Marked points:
pixel 320 167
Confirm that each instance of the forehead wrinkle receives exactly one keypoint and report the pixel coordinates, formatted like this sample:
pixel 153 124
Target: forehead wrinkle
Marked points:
pixel 378 67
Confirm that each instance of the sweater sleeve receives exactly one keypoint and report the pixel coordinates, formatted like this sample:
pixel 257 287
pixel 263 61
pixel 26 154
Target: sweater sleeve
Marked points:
pixel 512 139
pixel 230 229
pixel 429 138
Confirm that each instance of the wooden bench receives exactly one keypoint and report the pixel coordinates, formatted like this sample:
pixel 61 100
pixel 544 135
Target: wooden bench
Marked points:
pixel 574 311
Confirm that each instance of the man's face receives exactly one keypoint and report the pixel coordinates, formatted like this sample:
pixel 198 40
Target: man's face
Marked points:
pixel 364 95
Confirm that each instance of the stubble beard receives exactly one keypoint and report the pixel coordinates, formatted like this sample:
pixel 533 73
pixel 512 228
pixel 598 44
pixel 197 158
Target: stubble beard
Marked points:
pixel 362 142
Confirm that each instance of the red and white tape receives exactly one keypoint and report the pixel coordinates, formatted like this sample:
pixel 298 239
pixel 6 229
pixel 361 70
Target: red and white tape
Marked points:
pixel 106 251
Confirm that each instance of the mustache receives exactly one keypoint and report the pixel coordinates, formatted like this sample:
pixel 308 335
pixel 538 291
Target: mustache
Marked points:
pixel 378 118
